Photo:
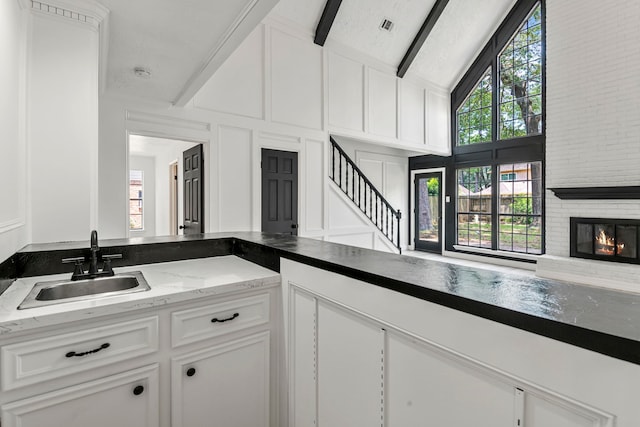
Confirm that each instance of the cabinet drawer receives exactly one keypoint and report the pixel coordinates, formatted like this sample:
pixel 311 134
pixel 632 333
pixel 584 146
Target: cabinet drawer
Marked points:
pixel 38 360
pixel 127 399
pixel 188 326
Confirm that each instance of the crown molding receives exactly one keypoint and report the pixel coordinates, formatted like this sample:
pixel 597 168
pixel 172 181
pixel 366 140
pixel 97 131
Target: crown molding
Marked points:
pixel 87 12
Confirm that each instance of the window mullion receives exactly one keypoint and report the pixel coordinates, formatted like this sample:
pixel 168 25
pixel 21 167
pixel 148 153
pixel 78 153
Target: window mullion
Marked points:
pixel 495 205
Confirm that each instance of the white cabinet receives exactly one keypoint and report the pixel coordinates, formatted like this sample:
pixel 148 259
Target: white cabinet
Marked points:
pixel 350 369
pixel 129 399
pixel 428 387
pixel 183 366
pixel 362 355
pixel 225 385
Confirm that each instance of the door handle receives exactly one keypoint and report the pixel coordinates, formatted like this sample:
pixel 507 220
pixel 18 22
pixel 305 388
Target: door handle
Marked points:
pixel 294 226
pixel 181 227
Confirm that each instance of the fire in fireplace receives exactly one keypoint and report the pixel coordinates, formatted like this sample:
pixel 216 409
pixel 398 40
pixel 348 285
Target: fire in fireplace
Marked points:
pixel 605 239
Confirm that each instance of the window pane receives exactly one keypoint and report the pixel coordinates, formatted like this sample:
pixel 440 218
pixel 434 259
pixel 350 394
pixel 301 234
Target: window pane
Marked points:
pixel 521 208
pixel 136 219
pixel 474 115
pixel 474 206
pixel 520 77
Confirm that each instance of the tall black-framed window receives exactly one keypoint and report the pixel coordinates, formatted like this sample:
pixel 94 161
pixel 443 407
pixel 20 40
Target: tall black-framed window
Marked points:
pixel 495 175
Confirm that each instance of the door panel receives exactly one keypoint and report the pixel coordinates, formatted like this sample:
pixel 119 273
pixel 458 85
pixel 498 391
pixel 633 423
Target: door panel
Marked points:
pixel 350 369
pixel 428 212
pixel 427 388
pixel 279 191
pixel 193 190
pixel 225 385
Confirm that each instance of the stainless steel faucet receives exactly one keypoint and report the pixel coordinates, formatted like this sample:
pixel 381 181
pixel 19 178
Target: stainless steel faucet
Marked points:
pixel 93 272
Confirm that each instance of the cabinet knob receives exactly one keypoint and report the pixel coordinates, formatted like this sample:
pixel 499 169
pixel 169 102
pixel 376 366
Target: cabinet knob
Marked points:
pixel 191 372
pixel 138 390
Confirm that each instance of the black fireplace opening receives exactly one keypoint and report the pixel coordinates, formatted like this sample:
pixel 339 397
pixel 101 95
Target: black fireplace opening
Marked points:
pixel 605 239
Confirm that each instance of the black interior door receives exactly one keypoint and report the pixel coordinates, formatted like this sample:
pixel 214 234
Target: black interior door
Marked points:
pixel 279 191
pixel 428 212
pixel 193 190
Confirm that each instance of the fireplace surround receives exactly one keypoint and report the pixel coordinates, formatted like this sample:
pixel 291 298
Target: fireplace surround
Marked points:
pixel 605 239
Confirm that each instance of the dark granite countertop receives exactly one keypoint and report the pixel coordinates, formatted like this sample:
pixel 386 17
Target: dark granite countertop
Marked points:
pixel 598 319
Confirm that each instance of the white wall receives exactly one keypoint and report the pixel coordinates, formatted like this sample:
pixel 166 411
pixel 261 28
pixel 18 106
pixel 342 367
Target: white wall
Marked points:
pixel 272 93
pixel 13 225
pixel 367 101
pixel 593 124
pixel 62 127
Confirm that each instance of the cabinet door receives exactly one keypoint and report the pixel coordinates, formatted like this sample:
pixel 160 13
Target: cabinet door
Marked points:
pixel 426 386
pixel 129 399
pixel 350 369
pixel 542 411
pixel 226 385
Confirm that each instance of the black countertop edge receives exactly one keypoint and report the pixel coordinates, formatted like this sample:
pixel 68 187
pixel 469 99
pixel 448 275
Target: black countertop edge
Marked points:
pixel 603 343
pixel 267 250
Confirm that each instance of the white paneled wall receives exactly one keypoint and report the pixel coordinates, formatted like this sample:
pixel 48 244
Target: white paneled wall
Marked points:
pixel 296 80
pixel 315 187
pixel 62 127
pixel 412 112
pixel 369 102
pixel 593 124
pixel 238 85
pixel 382 104
pixel 346 93
pixel 13 229
pixel 279 90
pixel 234 178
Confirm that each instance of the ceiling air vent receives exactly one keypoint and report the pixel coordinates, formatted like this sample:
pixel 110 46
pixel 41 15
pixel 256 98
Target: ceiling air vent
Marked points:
pixel 386 25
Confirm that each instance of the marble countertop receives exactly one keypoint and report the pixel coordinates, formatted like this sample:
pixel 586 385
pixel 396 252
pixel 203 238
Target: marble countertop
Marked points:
pixel 170 282
pixel 599 319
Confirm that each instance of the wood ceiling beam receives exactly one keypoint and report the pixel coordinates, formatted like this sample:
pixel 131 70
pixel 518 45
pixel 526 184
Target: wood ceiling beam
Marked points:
pixel 421 37
pixel 326 21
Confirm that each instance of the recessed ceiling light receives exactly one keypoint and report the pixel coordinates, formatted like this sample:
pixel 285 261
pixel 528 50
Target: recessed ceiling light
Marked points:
pixel 142 72
pixel 386 25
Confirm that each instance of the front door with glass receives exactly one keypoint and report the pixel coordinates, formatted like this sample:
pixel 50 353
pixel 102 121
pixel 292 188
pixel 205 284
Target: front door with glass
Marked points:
pixel 428 212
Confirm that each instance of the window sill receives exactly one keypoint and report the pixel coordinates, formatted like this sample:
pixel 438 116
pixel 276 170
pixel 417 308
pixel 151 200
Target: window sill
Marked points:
pixel 496 253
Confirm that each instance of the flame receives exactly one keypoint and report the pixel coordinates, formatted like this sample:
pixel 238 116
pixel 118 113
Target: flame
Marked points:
pixel 605 240
pixel 608 246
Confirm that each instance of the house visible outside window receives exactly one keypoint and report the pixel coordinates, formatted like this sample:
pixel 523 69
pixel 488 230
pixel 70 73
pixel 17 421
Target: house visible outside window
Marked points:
pixel 498 153
pixel 136 203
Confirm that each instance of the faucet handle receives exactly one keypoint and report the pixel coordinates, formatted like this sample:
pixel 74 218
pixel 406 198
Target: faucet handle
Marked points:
pixel 75 260
pixel 78 269
pixel 106 268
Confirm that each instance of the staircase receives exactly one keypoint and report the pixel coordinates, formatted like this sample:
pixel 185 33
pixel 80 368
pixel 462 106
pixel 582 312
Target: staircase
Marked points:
pixel 355 185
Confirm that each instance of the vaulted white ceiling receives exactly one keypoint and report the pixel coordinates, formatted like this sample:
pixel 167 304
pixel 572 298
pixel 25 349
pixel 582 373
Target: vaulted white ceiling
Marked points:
pixel 184 42
pixel 458 36
pixel 181 42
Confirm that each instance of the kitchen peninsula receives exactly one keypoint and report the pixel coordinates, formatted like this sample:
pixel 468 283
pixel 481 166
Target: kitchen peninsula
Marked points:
pixel 556 352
